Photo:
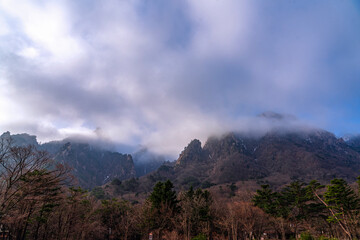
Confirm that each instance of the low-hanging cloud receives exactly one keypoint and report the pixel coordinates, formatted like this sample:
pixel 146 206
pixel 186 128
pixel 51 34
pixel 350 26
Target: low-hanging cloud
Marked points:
pixel 160 73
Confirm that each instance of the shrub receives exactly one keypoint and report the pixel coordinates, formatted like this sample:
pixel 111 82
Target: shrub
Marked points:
pixel 201 236
pixel 116 182
pixel 306 236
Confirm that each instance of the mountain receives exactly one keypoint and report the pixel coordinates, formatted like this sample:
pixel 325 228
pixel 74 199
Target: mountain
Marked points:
pixel 91 165
pixel 354 142
pixel 146 161
pixel 276 157
pixel 21 140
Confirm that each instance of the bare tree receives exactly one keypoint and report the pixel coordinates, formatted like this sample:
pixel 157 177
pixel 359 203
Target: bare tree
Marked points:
pixel 30 185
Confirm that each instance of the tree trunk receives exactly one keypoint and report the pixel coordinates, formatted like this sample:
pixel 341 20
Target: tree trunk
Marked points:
pixel 283 236
pixel 26 224
pixel 38 226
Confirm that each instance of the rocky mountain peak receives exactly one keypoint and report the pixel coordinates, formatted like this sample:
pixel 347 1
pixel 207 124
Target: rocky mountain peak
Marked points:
pixel 277 157
pixel 194 145
pixel 22 139
pixel 192 153
pixel 91 164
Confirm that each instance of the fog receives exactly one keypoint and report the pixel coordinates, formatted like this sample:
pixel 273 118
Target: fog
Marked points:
pixel 157 74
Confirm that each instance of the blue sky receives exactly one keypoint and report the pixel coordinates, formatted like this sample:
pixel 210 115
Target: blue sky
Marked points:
pixel 160 73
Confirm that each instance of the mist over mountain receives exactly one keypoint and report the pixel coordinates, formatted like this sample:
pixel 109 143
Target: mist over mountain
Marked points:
pixel 354 142
pixel 276 157
pixel 22 140
pixel 93 162
pixel 93 166
pixel 146 161
pixel 223 95
pixel 159 75
pixel 273 148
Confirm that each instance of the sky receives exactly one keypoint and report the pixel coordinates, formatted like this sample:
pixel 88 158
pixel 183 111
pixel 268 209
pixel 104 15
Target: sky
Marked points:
pixel 159 73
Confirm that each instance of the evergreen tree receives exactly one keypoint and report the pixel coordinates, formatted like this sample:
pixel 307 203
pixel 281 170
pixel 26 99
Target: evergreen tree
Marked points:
pixel 163 194
pixel 270 202
pixel 163 208
pixel 274 204
pixel 345 206
pixel 195 212
pixel 341 197
pixel 293 204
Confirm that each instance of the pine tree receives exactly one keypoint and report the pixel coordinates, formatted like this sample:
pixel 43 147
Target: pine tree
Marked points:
pixel 163 194
pixel 164 207
pixel 195 212
pixel 345 205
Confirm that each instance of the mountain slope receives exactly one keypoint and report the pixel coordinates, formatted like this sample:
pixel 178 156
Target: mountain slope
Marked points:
pixel 354 142
pixel 276 157
pixel 91 165
pixel 146 161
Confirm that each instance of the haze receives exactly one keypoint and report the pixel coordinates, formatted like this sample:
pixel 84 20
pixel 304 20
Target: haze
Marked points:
pixel 160 73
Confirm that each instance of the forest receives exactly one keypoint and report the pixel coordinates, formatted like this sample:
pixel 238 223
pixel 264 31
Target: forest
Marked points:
pixel 39 201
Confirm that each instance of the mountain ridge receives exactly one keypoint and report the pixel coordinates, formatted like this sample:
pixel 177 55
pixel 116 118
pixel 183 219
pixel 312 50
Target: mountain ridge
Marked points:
pixel 92 164
pixel 275 158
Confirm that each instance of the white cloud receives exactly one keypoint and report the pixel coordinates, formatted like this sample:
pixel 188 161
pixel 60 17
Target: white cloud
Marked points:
pixel 29 52
pixel 47 29
pixel 158 75
pixel 7 105
pixel 4 28
pixel 221 27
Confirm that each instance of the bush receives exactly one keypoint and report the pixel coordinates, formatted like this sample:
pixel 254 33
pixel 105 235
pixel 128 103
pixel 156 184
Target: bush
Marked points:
pixel 326 238
pixel 131 185
pixel 201 236
pixel 164 168
pixel 116 182
pixel 207 184
pixel 98 193
pixel 191 181
pixel 306 236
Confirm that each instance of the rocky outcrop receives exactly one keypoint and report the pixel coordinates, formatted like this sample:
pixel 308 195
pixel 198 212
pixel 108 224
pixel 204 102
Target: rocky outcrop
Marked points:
pixel 276 157
pixel 91 165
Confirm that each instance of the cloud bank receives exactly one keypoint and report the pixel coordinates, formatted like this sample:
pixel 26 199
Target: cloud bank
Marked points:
pixel 160 73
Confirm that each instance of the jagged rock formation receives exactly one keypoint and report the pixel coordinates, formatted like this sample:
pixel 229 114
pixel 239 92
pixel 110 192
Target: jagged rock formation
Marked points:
pixel 276 157
pixel 21 140
pixel 193 153
pixel 91 165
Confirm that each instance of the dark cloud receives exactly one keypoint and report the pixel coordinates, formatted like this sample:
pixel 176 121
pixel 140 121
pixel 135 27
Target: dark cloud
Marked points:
pixel 159 73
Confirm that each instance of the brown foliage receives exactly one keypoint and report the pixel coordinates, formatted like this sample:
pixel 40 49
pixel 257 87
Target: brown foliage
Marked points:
pixel 36 202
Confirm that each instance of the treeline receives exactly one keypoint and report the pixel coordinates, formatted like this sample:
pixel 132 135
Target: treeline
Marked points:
pixel 36 202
